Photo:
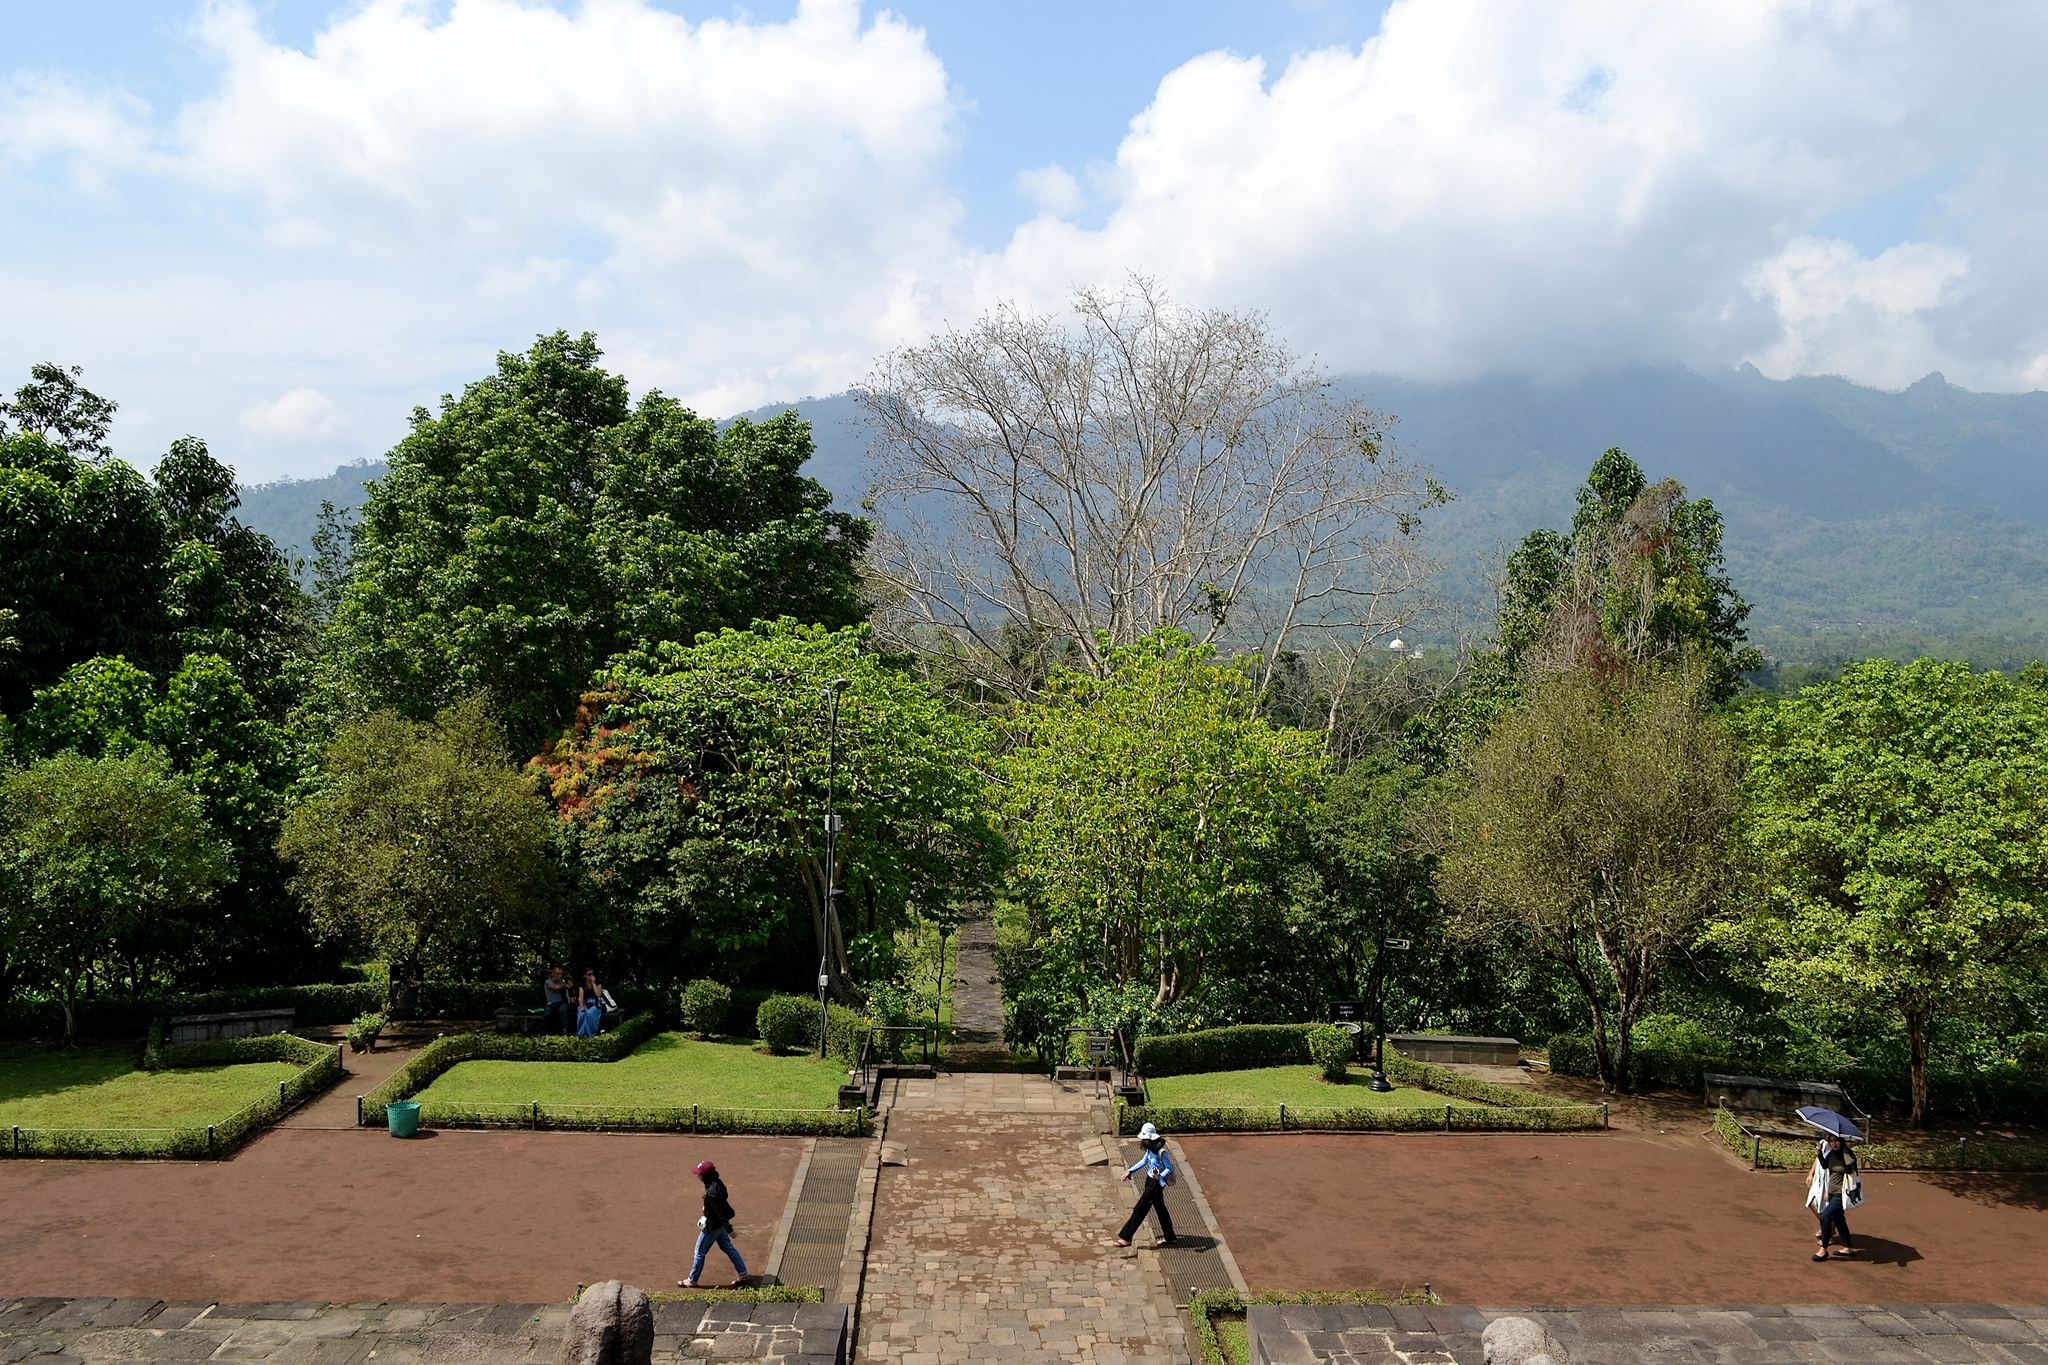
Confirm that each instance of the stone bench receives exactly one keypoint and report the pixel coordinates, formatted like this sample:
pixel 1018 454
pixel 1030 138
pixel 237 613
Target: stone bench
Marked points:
pixel 1761 1095
pixel 208 1028
pixel 1454 1047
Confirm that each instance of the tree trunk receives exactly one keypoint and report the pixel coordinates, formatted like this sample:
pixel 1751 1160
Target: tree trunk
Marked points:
pixel 1916 1029
pixel 69 991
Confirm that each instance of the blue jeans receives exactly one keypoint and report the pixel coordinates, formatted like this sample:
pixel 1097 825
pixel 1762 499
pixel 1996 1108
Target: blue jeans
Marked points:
pixel 1832 1220
pixel 588 1020
pixel 722 1237
pixel 560 1016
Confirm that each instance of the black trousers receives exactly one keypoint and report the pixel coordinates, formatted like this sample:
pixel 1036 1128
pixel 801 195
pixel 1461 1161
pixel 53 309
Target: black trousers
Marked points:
pixel 1154 1199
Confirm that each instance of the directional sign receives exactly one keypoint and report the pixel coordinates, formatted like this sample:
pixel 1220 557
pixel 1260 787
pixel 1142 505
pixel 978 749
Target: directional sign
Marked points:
pixel 1098 1047
pixel 1400 943
pixel 1347 1011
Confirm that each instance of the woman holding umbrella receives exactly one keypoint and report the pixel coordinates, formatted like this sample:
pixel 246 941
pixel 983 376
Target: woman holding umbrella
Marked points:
pixel 1834 1184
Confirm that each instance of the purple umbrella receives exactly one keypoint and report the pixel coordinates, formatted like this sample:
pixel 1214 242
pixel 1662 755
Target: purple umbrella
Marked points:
pixel 1828 1121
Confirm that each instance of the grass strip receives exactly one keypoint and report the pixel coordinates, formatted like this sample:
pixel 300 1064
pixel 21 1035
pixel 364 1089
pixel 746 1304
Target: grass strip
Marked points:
pixel 1206 1305
pixel 1288 1118
pixel 677 1118
pixel 766 1293
pixel 437 1056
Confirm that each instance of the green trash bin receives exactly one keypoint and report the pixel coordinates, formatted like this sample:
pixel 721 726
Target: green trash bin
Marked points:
pixel 403 1117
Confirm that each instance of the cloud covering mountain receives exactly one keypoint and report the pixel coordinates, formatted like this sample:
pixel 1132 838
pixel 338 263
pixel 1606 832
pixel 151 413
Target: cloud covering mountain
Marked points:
pixel 322 234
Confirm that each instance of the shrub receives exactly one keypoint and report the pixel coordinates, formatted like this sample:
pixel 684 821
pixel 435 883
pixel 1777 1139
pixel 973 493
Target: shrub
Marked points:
pixel 1225 1049
pixel 437 1056
pixel 362 1034
pixel 786 1022
pixel 704 1006
pixel 1331 1047
pixel 1571 1054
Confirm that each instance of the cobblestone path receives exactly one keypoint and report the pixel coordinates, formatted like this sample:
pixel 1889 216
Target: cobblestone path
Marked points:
pixel 992 1241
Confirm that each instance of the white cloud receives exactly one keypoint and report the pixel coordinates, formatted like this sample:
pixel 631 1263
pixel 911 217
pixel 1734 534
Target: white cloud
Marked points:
pixel 1052 188
pixel 301 415
pixel 1488 184
pixel 748 210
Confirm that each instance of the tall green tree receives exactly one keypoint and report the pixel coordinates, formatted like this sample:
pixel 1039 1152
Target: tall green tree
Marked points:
pixel 542 523
pixel 692 791
pixel 1899 821
pixel 240 765
pixel 423 838
pixel 1637 581
pixel 1147 808
pixel 95 849
pixel 1593 825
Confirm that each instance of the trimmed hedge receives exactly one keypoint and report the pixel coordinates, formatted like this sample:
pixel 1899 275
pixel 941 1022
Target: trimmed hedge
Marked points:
pixel 704 1007
pixel 1288 1118
pixel 319 1067
pixel 1445 1081
pixel 437 1056
pixel 674 1118
pixel 1332 1048
pixel 1243 1048
pixel 785 1022
pixel 131 1016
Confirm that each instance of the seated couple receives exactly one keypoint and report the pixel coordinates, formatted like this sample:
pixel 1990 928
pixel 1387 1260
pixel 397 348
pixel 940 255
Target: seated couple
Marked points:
pixel 583 1010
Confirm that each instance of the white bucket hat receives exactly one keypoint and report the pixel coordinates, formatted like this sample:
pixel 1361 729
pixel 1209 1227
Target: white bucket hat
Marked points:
pixel 1148 1134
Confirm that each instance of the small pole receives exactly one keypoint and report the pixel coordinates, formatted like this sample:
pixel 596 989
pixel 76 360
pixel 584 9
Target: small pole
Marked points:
pixel 693 1118
pixel 1963 1158
pixel 1447 1118
pixel 359 1111
pixel 280 1097
pixel 209 1139
pixel 1603 1116
pixel 1283 1118
pixel 1756 1154
pixel 17 1139
pixel 536 1116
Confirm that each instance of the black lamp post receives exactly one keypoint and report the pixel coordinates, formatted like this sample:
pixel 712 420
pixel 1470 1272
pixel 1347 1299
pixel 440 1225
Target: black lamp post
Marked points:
pixel 831 860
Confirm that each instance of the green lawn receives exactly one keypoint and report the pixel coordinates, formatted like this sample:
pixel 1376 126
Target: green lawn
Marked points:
pixel 667 1069
pixel 1302 1086
pixel 98 1087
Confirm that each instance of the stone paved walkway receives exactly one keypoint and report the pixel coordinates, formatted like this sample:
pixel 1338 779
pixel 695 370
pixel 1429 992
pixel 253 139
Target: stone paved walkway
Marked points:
pixel 991 1242
pixel 977 1000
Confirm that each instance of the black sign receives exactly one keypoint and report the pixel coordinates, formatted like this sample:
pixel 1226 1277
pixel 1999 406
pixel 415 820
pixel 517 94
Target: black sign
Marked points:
pixel 1347 1011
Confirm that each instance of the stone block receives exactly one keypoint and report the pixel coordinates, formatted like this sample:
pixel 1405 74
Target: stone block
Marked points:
pixel 1513 1341
pixel 612 1324
pixel 1271 1340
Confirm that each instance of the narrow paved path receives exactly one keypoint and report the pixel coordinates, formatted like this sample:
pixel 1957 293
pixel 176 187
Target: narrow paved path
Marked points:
pixel 993 1238
pixel 337 1108
pixel 977 1000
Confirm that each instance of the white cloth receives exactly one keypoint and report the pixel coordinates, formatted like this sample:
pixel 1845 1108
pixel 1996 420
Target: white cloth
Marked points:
pixel 1817 1187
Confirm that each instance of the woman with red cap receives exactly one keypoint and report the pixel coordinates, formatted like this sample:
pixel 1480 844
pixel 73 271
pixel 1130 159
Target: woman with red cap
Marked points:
pixel 714 1228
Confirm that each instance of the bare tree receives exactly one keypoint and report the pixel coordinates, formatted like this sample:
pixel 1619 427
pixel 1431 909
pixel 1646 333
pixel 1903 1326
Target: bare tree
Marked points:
pixel 1051 487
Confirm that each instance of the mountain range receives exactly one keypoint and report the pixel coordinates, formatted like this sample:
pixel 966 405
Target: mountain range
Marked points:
pixel 1859 521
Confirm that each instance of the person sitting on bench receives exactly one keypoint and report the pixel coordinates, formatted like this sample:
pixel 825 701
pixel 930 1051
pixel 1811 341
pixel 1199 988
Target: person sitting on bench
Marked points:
pixel 560 992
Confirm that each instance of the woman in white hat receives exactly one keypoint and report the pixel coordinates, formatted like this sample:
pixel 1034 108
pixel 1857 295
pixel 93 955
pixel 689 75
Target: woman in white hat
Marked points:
pixel 1157 1164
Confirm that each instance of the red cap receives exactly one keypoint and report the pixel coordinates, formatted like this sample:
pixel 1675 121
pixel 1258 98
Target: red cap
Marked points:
pixel 704 1168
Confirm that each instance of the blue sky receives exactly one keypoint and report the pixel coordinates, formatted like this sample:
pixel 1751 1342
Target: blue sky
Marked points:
pixel 280 225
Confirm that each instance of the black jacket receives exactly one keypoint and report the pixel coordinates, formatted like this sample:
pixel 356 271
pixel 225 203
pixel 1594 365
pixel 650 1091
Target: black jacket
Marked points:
pixel 717 1212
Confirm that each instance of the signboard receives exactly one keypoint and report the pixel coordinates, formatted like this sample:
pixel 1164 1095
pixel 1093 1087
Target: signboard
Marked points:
pixel 1347 1012
pixel 1399 943
pixel 1098 1046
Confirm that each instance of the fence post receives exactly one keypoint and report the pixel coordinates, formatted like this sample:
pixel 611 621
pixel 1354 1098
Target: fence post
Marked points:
pixel 1963 1157
pixel 209 1139
pixel 1447 1118
pixel 1756 1153
pixel 693 1118
pixel 280 1098
pixel 1603 1116
pixel 1283 1118
pixel 17 1139
pixel 359 1111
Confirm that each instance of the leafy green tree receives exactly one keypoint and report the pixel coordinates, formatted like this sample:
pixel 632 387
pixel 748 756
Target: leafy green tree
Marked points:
pixel 691 794
pixel 82 559
pixel 1899 821
pixel 1637 581
pixel 239 764
pixel 1594 825
pixel 95 849
pixel 541 524
pixel 1369 880
pixel 423 838
pixel 1148 807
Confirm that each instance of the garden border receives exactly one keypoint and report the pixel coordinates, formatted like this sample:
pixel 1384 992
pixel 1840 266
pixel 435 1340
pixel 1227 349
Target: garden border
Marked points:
pixel 443 1053
pixel 320 1065
pixel 1784 1154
